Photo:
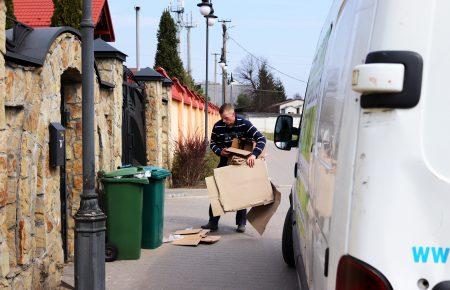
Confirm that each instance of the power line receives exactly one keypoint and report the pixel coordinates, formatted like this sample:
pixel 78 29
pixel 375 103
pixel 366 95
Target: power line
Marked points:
pixel 262 61
pixel 270 91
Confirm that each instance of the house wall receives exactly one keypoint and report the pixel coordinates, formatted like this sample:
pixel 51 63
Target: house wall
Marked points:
pixel 290 110
pixel 291 107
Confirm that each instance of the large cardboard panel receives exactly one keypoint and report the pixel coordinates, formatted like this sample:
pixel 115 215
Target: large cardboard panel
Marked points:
pixel 243 187
pixel 260 216
pixel 213 194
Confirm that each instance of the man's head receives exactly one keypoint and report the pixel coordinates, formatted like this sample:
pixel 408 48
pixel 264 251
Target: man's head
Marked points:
pixel 227 114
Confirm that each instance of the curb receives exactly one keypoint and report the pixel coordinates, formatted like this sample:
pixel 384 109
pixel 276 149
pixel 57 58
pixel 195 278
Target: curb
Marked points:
pixel 186 192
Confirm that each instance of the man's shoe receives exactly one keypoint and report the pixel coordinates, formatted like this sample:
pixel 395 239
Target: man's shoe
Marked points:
pixel 211 227
pixel 241 229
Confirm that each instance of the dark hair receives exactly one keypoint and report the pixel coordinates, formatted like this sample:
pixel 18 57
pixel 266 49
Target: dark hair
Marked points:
pixel 226 107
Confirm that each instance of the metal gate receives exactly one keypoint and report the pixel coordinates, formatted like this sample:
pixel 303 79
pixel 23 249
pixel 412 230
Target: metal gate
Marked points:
pixel 133 121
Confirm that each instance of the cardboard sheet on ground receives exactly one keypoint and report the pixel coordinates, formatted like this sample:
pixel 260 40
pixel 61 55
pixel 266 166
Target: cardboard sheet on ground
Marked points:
pixel 241 187
pixel 189 240
pixel 260 216
pixel 188 232
pixel 210 239
pixel 193 237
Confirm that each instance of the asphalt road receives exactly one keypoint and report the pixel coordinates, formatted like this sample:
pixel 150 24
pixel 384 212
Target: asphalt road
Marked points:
pixel 237 261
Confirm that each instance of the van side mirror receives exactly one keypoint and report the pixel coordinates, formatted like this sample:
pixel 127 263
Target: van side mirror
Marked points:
pixel 284 130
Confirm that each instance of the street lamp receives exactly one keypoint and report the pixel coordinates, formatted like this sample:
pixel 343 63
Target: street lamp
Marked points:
pixel 206 9
pixel 223 64
pixel 232 82
pixel 90 221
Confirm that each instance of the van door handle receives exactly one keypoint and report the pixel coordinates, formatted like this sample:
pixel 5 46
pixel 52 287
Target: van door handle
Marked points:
pixel 409 95
pixel 295 169
pixel 378 78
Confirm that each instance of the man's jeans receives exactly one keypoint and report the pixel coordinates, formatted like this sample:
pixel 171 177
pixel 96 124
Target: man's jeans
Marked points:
pixel 241 215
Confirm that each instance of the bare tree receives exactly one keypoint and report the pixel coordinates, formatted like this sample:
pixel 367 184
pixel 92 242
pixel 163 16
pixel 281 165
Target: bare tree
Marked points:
pixel 266 89
pixel 247 72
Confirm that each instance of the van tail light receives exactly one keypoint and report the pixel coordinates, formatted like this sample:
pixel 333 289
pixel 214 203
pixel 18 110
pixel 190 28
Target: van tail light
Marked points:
pixel 353 274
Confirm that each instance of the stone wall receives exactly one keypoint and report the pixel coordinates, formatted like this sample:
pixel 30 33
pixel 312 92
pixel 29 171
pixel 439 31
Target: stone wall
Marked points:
pixel 4 251
pixel 31 245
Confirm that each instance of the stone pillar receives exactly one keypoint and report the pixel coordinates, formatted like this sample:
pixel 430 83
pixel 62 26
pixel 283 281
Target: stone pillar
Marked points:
pixel 167 146
pixel 111 101
pixel 153 121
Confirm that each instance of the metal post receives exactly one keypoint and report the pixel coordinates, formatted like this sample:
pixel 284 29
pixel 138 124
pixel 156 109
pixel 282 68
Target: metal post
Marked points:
pixel 224 59
pixel 89 220
pixel 189 25
pixel 206 82
pixel 215 75
pixel 138 66
pixel 188 39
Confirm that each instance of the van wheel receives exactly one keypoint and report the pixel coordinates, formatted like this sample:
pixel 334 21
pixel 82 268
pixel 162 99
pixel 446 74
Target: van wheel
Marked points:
pixel 287 242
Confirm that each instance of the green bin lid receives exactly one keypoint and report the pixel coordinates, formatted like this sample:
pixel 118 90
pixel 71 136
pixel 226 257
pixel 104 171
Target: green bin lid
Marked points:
pixel 125 175
pixel 158 173
pixel 128 171
pixel 126 180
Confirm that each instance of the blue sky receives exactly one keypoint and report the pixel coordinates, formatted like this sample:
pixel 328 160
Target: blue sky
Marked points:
pixel 285 32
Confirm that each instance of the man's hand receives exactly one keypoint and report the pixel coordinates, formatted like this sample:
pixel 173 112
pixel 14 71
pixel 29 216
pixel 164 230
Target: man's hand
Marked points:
pixel 251 160
pixel 224 152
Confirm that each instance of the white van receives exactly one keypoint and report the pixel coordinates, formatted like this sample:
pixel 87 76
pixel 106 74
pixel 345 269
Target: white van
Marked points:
pixel 371 205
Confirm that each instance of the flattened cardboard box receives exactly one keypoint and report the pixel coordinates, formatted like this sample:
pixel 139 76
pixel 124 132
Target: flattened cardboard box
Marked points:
pixel 244 187
pixel 259 216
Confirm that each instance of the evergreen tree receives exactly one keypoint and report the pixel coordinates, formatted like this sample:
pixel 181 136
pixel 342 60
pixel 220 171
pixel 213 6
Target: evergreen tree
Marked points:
pixel 67 13
pixel 10 13
pixel 166 53
pixel 280 96
pixel 265 89
pixel 243 101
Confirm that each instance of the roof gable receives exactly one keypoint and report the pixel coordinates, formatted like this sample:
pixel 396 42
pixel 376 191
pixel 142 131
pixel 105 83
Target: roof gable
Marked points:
pixel 39 14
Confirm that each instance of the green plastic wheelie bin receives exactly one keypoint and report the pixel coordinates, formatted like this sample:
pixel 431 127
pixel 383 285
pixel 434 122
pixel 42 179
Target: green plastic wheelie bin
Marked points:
pixel 153 208
pixel 123 202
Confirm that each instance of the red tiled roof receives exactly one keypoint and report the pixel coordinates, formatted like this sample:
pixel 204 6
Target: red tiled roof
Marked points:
pixel 39 13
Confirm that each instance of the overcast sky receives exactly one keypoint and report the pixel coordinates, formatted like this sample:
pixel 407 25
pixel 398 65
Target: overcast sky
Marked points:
pixel 285 32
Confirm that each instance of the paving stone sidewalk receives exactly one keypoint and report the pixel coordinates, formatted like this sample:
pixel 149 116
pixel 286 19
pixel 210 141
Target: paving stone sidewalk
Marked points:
pixel 238 261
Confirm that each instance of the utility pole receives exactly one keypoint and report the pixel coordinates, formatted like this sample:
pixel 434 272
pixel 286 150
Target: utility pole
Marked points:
pixel 215 75
pixel 189 24
pixel 223 59
pixel 179 10
pixel 90 221
pixel 138 66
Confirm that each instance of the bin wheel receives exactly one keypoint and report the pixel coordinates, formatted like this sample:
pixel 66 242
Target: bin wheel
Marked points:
pixel 110 253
